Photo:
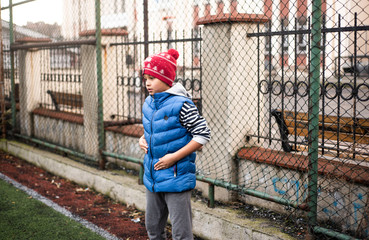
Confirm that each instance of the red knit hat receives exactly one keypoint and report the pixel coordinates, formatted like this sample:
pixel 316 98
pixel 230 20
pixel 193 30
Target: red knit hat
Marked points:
pixel 162 66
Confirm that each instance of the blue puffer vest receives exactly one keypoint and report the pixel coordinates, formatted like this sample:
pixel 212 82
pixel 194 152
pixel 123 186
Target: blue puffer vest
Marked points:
pixel 165 134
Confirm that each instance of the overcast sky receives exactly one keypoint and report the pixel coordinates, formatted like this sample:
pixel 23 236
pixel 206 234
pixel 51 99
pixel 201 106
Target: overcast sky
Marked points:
pixel 49 11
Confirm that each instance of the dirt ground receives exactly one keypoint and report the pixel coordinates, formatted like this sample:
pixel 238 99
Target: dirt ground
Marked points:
pixel 125 222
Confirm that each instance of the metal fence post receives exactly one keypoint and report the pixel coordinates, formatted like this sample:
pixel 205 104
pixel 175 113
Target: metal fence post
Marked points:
pixel 99 84
pixel 2 84
pixel 146 28
pixel 314 112
pixel 11 39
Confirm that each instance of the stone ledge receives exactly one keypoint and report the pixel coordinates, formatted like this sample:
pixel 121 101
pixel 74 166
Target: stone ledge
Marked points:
pixel 125 128
pixel 233 18
pixel 349 172
pixel 66 116
pixel 133 130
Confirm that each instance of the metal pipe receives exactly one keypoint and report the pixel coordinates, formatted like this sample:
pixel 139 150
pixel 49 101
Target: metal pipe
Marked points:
pixel 56 147
pixel 211 202
pixel 157 41
pixel 53 44
pixel 16 4
pixel 251 192
pixel 308 31
pixel 141 174
pixel 12 80
pixel 2 85
pixel 314 112
pixel 332 233
pixel 123 157
pixel 146 28
pixel 100 124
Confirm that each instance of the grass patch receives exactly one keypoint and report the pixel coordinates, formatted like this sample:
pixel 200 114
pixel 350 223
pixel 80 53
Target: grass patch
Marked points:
pixel 22 217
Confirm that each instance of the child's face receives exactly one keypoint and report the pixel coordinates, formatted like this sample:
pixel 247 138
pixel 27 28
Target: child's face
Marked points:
pixel 154 85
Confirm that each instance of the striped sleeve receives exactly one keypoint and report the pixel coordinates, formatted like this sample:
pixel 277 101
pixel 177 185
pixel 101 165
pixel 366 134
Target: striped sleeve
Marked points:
pixel 194 123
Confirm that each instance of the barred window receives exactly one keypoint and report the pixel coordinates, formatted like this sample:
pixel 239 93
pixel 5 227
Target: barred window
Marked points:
pixel 284 23
pixel 268 39
pixel 302 38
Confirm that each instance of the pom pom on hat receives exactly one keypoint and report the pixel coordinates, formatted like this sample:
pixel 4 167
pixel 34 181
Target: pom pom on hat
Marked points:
pixel 162 66
pixel 174 53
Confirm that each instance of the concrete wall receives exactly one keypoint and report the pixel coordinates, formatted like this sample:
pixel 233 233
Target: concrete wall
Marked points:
pixel 339 200
pixel 59 132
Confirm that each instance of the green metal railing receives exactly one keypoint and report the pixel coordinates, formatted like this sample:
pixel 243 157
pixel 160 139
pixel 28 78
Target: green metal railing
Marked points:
pixel 99 82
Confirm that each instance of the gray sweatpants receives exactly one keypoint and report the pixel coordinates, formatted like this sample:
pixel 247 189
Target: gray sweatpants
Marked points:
pixel 177 206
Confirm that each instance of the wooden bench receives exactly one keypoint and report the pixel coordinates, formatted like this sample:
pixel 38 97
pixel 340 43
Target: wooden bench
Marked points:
pixel 68 99
pixel 332 129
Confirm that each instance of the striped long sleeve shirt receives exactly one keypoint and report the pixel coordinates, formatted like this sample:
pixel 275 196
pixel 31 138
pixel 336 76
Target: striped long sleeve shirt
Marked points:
pixel 191 119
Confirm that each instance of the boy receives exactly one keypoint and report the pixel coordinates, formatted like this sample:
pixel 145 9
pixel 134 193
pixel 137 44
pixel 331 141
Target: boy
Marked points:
pixel 174 130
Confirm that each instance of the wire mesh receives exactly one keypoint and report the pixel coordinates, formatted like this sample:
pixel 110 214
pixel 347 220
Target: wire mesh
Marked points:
pixel 248 67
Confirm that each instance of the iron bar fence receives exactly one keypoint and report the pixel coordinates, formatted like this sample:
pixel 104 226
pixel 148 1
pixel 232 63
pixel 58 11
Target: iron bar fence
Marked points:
pixel 282 84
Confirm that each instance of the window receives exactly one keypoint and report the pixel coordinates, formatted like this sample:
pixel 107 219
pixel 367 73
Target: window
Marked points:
pixel 268 39
pixel 196 34
pixel 302 37
pixel 116 6
pixel 123 6
pixel 284 23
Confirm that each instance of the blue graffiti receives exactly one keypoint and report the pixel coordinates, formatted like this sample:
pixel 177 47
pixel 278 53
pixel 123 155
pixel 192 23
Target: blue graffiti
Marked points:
pixel 292 183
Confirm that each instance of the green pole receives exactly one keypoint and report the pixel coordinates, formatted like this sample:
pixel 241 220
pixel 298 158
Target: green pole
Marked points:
pixel 141 174
pixel 12 80
pixel 99 84
pixel 314 112
pixel 334 234
pixel 211 202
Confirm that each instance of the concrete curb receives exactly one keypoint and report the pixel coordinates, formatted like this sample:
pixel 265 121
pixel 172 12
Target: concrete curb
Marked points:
pixel 217 223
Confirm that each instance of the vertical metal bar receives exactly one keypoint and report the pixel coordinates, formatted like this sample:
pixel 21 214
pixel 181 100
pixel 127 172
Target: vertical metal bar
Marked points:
pixel 282 67
pixel 192 56
pixel 12 80
pixel 323 83
pixel 141 174
pixel 314 112
pixel 146 28
pixel 117 78
pixel 2 84
pixel 339 85
pixel 211 196
pixel 100 123
pixel 200 63
pixel 354 93
pixel 184 62
pixel 258 102
pixel 309 59
pixel 270 81
pixel 295 89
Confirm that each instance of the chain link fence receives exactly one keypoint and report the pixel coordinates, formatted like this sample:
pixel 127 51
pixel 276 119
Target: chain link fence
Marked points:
pixel 283 85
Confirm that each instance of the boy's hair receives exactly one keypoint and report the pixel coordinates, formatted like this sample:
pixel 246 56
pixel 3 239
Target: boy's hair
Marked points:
pixel 162 66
